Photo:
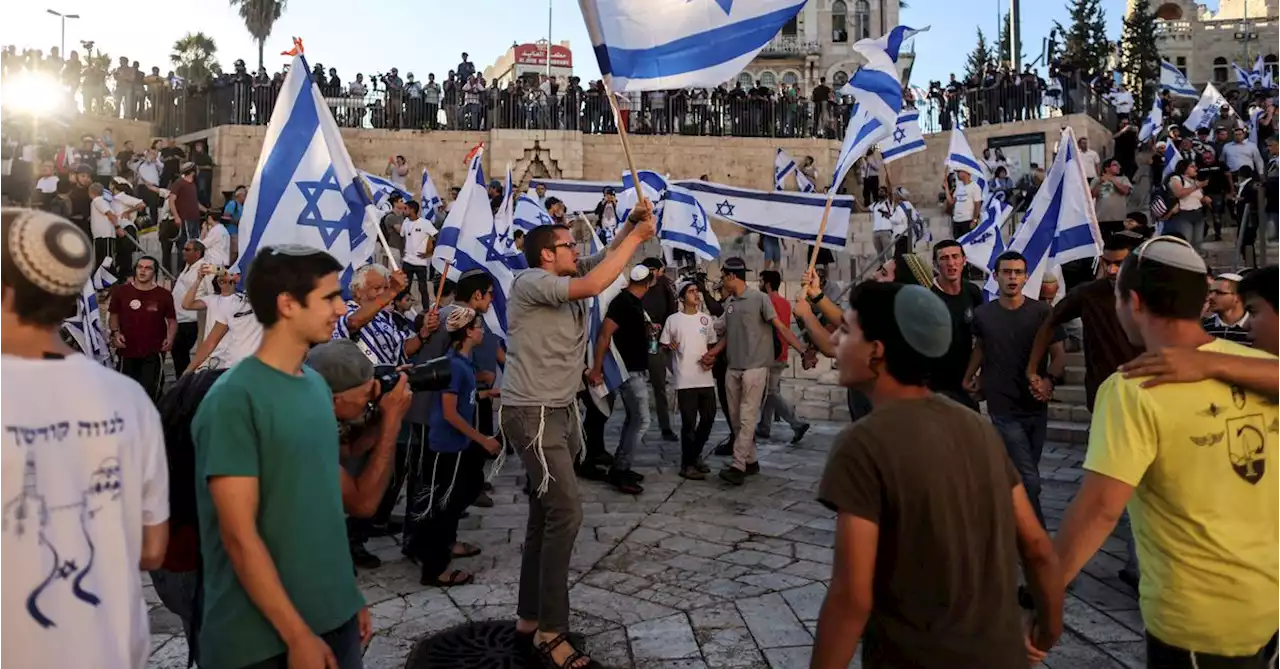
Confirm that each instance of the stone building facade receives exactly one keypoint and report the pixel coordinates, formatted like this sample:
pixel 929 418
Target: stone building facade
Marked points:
pixel 1203 43
pixel 818 44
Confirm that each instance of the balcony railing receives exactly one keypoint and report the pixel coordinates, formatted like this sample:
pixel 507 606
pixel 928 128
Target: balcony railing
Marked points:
pixel 789 45
pixel 1172 28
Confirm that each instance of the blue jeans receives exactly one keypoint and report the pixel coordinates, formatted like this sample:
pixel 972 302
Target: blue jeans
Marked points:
pixel 343 641
pixel 772 247
pixel 635 397
pixel 1024 442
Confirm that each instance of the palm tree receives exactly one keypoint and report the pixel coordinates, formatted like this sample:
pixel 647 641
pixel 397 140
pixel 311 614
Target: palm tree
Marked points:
pixel 194 58
pixel 259 17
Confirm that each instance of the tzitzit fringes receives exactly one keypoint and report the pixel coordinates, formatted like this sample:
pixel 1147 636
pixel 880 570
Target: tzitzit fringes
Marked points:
pixel 429 493
pixel 457 460
pixel 540 453
pixel 501 458
pixel 582 438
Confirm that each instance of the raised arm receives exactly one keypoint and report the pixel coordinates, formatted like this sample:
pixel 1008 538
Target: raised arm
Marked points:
pixel 615 259
pixel 1179 365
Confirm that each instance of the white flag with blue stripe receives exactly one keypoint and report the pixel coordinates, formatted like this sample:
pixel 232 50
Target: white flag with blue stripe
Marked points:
pixel 782 214
pixel 863 133
pixel 1207 109
pixel 1258 71
pixel 305 189
pixel 647 45
pixel 1171 158
pixel 529 214
pixel 960 157
pixel 468 240
pixel 615 370
pixel 383 187
pixel 429 197
pixel 1060 225
pixel 1151 125
pixel 983 244
pixel 653 185
pixel 877 85
pixel 803 184
pixel 1243 76
pixel 783 166
pixel 1173 80
pixel 504 226
pixel 906 139
pixel 685 225
pixel 86 326
pixel 577 196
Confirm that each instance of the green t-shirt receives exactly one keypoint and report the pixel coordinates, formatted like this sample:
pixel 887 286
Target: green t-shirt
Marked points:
pixel 258 421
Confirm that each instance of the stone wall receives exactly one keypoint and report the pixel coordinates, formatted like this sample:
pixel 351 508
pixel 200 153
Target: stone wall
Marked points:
pixel 138 132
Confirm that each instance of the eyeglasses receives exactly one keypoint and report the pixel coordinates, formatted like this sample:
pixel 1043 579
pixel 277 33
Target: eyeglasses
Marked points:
pixel 572 246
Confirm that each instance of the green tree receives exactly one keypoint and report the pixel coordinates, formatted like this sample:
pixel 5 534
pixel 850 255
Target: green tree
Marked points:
pixel 1139 55
pixel 978 58
pixel 1084 44
pixel 194 57
pixel 260 17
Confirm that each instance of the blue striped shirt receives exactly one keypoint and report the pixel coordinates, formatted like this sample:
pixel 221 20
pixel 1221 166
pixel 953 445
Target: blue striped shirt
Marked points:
pixel 380 339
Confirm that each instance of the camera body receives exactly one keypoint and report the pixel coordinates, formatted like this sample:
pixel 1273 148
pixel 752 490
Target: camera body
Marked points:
pixel 432 375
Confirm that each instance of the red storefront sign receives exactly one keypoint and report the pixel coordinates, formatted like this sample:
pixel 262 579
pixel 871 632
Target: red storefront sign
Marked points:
pixel 536 54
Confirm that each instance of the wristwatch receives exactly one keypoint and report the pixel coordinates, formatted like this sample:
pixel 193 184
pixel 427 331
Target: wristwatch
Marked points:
pixel 815 299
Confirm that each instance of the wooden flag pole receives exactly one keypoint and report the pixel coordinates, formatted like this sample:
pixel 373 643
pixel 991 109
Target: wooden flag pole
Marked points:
pixel 822 229
pixel 444 276
pixel 626 146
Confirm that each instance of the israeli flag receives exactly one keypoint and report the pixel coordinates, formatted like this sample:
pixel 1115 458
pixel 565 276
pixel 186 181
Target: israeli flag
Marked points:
pixel 1255 115
pixel 783 166
pixel 960 158
pixel 383 188
pixel 907 138
pixel 1060 225
pixel 864 131
pixel 1243 76
pixel 1173 80
pixel 876 85
pixel 654 186
pixel 1206 111
pixel 1268 82
pixel 1259 71
pixel 504 222
pixel 803 184
pixel 469 240
pixel 529 214
pixel 915 222
pixel 1171 158
pixel 1152 125
pixel 576 195
pixel 783 214
pixel 85 328
pixel 429 197
pixel 305 189
pixel 685 225
pixel 615 370
pixel 983 244
pixel 648 45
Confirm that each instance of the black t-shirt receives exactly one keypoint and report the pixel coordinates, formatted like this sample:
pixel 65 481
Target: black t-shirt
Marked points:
pixel 949 372
pixel 632 335
pixel 171 159
pixel 934 478
pixel 1126 146
pixel 1215 175
pixel 1007 337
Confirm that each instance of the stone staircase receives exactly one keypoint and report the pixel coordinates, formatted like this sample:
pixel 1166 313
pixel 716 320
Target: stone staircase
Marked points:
pixel 1068 412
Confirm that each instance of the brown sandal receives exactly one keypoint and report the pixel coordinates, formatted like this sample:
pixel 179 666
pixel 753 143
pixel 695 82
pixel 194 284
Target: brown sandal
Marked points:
pixel 572 662
pixel 455 577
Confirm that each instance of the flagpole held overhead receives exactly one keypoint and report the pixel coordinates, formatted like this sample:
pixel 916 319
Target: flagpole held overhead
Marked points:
pixel 622 135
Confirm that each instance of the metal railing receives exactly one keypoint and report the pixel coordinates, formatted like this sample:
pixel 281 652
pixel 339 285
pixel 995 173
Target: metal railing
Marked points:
pixel 790 45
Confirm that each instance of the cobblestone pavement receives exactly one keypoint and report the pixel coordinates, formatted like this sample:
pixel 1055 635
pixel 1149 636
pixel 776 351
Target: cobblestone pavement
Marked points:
pixel 695 573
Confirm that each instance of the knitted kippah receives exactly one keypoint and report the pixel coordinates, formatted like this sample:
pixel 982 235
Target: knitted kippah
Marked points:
pixel 49 251
pixel 459 318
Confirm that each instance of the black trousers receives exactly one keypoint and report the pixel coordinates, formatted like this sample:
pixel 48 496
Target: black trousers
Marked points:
pixel 359 530
pixel 1161 655
pixel 183 341
pixel 419 273
pixel 720 370
pixel 120 250
pixel 593 423
pixel 148 371
pixel 697 413
pixel 460 476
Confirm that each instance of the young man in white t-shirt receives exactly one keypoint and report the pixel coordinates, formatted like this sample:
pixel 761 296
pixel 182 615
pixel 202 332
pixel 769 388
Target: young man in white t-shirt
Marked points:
pixel 103 224
pixel 86 484
pixel 126 208
pixel 232 332
pixel 690 334
pixel 418 233
pixel 965 201
pixel 216 239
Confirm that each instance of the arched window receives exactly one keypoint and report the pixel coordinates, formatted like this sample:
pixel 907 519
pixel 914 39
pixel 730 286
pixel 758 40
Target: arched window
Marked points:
pixel 1220 70
pixel 790 79
pixel 861 19
pixel 768 80
pixel 1169 11
pixel 746 79
pixel 839 21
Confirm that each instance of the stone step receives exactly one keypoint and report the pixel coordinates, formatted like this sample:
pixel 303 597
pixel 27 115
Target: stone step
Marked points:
pixel 1074 375
pixel 1071 394
pixel 1068 432
pixel 1072 413
pixel 1075 358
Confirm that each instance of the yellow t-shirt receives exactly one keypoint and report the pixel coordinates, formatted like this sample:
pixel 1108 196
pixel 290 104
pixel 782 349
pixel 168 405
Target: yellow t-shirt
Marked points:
pixel 1203 459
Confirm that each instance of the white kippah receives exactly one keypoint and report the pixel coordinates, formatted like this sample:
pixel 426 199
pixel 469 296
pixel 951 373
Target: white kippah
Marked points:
pixel 1174 252
pixel 50 252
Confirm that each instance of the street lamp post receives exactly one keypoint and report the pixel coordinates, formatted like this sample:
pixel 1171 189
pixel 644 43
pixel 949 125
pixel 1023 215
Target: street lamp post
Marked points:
pixel 62 43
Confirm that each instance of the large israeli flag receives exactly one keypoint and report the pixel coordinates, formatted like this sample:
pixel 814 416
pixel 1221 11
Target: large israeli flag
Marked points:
pixel 783 214
pixel 647 45
pixel 1060 225
pixel 654 187
pixel 86 326
pixel 685 225
pixel 576 195
pixel 983 244
pixel 876 85
pixel 1173 80
pixel 615 370
pixel 305 189
pixel 783 166
pixel 529 214
pixel 906 139
pixel 1207 109
pixel 469 240
pixel 862 134
pixel 960 157
pixel 1151 125
pixel 429 197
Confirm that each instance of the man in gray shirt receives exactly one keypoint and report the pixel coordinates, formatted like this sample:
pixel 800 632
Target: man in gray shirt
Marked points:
pixel 749 323
pixel 1004 332
pixel 546 358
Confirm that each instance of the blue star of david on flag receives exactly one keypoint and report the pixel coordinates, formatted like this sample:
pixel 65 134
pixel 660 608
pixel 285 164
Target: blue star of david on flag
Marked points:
pixel 699 224
pixel 312 215
pixel 724 208
pixel 898 135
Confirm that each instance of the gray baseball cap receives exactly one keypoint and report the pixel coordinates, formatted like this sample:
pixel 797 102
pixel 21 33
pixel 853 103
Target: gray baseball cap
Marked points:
pixel 342 364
